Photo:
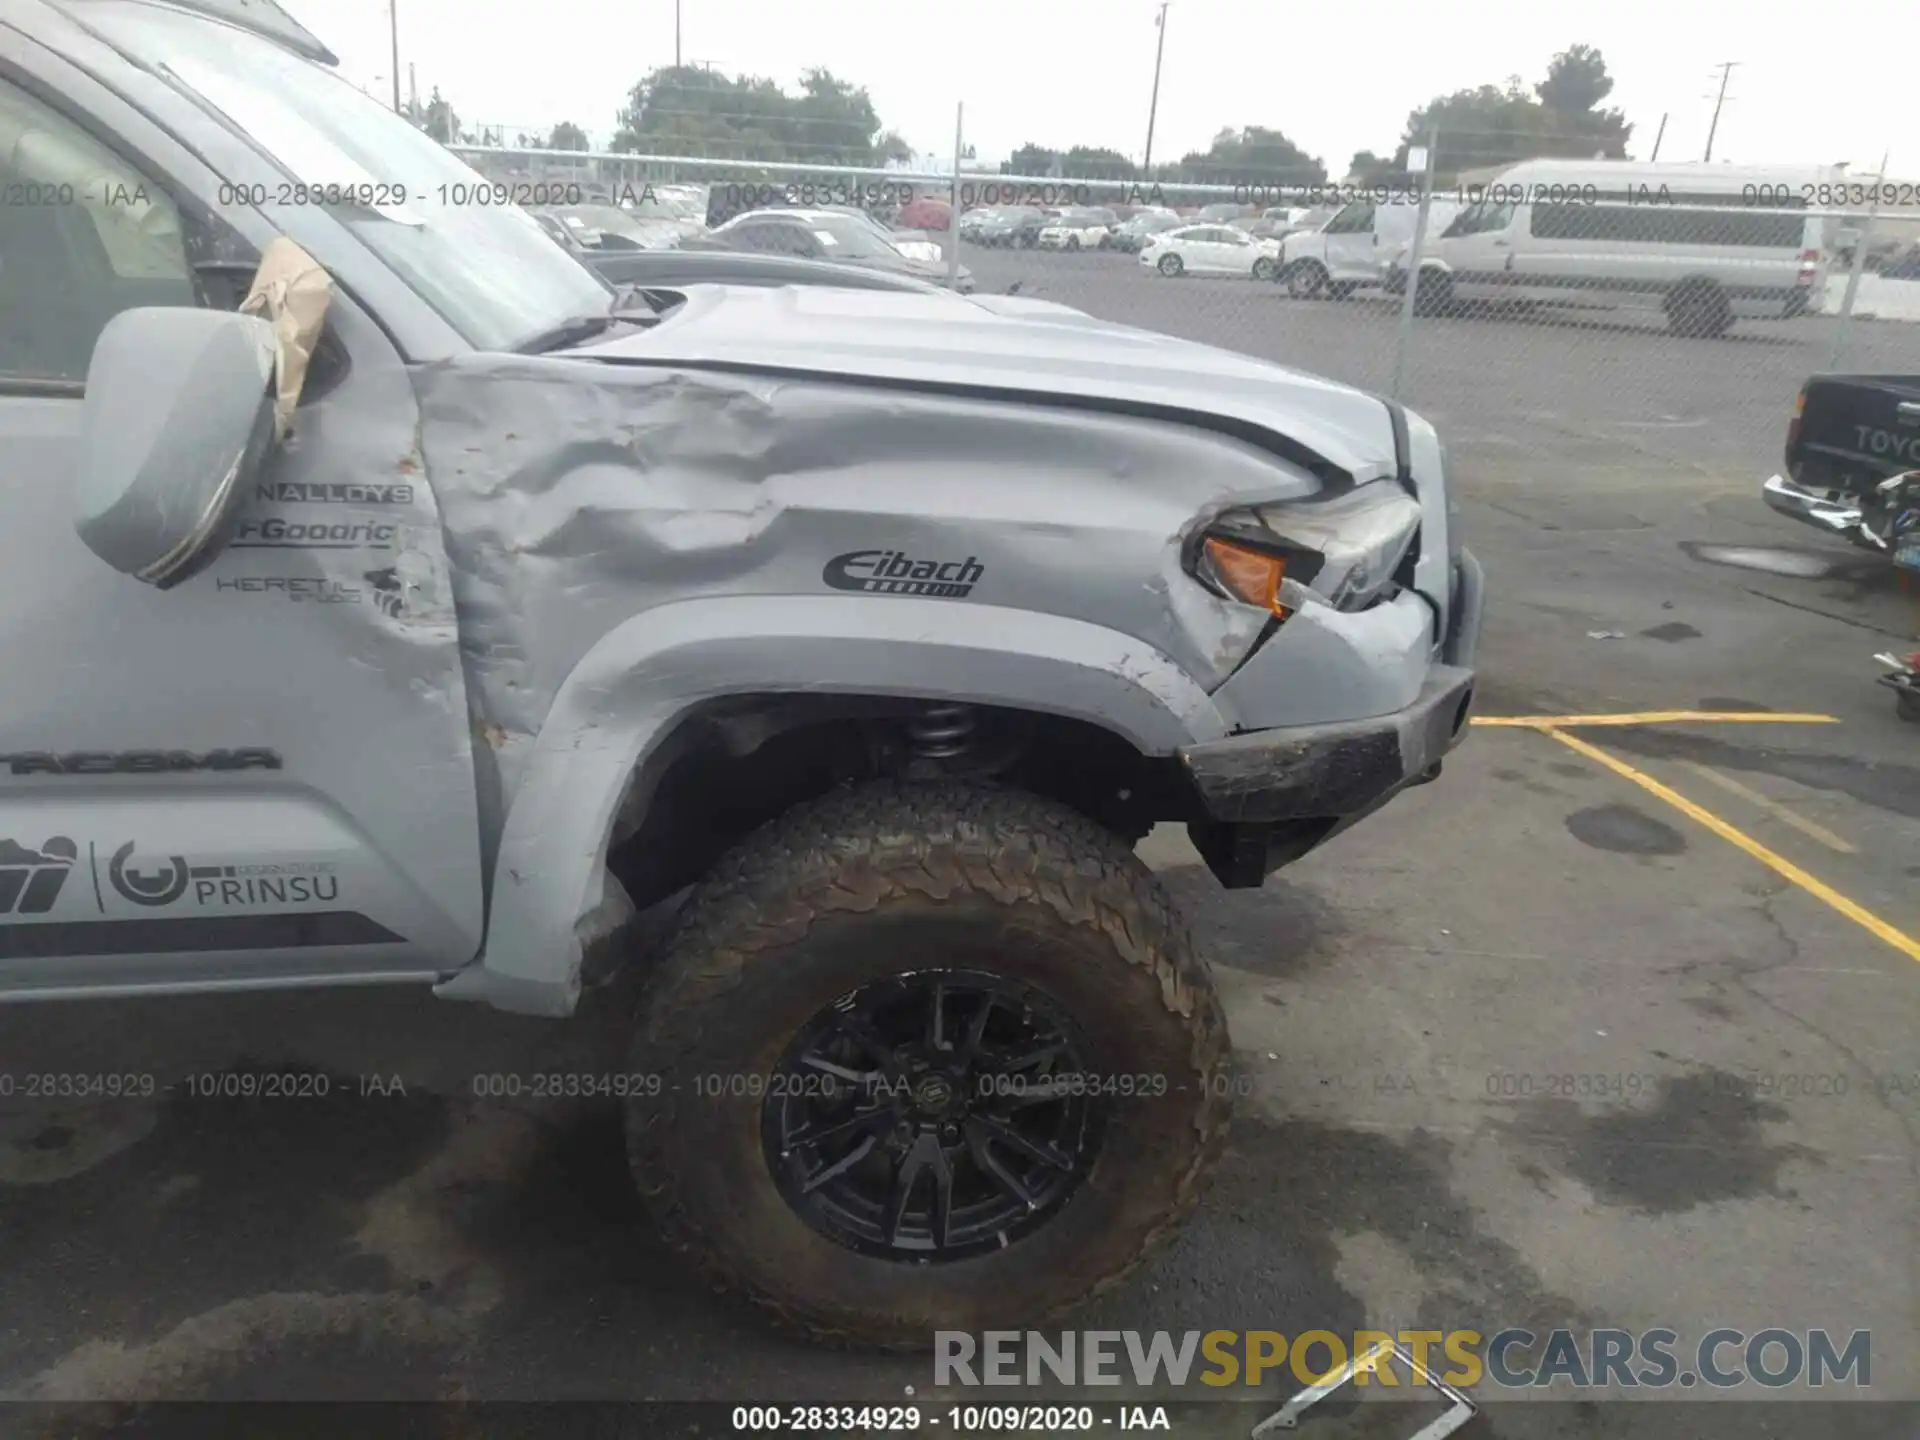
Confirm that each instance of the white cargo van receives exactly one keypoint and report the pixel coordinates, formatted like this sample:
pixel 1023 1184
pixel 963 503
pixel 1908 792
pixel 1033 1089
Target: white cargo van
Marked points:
pixel 1356 244
pixel 1701 243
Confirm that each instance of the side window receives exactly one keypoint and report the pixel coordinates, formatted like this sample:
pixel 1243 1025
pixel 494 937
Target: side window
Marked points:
pixel 83 236
pixel 1356 219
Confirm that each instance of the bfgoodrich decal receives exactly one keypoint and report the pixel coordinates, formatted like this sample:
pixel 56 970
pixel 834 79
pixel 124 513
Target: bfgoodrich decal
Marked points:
pixel 893 572
pixel 276 533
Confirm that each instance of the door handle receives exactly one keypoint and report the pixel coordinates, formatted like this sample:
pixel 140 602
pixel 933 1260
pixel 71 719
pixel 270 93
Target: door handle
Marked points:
pixel 1500 244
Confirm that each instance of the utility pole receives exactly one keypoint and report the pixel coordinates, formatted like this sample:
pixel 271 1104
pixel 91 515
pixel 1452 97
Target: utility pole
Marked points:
pixel 1153 106
pixel 1726 73
pixel 1658 136
pixel 676 34
pixel 393 30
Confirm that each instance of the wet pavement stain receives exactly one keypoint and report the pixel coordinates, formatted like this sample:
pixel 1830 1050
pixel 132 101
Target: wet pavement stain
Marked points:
pixel 1625 831
pixel 1700 1143
pixel 1672 632
pixel 1894 788
pixel 1295 926
pixel 1528 783
pixel 1265 1242
pixel 1570 770
pixel 1792 562
pixel 1708 1005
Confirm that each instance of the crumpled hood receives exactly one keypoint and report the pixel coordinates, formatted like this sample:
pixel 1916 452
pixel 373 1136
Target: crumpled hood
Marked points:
pixel 949 342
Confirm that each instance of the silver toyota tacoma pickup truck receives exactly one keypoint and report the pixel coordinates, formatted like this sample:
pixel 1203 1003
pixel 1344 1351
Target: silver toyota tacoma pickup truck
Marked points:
pixel 390 599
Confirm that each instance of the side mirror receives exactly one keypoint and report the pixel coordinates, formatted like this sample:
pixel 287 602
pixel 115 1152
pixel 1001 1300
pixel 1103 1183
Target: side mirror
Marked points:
pixel 178 418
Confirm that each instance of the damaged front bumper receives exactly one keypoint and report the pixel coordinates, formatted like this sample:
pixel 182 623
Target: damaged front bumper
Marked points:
pixel 1269 796
pixel 1274 794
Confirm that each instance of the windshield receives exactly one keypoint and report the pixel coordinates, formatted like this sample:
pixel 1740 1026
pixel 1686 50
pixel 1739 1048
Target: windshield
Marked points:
pixel 489 270
pixel 851 238
pixel 612 218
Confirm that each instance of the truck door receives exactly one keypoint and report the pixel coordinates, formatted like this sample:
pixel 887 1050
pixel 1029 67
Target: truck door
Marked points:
pixel 264 775
pixel 1351 244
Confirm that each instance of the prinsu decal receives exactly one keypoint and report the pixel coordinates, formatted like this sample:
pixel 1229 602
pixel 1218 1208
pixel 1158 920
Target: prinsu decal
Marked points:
pixel 892 572
pixel 301 589
pixel 295 492
pixel 30 880
pixel 275 533
pixel 137 762
pixel 165 881
pixel 161 886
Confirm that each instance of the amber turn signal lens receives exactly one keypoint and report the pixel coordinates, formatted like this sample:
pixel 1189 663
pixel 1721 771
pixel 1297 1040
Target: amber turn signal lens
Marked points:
pixel 1248 575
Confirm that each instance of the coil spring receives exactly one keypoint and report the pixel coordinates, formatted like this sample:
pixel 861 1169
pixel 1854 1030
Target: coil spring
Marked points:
pixel 941 732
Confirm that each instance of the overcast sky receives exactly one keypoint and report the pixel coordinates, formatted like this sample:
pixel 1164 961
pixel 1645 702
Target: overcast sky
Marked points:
pixel 1336 76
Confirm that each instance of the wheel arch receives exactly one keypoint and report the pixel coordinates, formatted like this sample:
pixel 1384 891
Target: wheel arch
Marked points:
pixel 616 714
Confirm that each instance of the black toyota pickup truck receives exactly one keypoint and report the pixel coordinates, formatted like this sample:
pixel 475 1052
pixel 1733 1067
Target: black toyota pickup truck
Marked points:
pixel 1850 439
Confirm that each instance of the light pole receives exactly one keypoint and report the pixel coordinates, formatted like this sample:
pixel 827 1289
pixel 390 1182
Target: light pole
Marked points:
pixel 393 30
pixel 676 34
pixel 1726 73
pixel 1153 105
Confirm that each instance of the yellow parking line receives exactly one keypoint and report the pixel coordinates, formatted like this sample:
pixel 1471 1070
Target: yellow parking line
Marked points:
pixel 1773 807
pixel 1780 865
pixel 1658 717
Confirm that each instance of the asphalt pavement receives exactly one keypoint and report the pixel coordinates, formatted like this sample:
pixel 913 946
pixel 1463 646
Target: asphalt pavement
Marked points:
pixel 1613 1025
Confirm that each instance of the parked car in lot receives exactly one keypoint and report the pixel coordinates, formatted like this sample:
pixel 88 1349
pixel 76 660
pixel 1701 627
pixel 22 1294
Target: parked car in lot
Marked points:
pixel 1701 244
pixel 924 212
pixel 1134 233
pixel 914 244
pixel 423 628
pixel 1848 437
pixel 1223 212
pixel 1011 226
pixel 677 268
pixel 609 227
pixel 830 236
pixel 1356 246
pixel 1210 250
pixel 1077 228
pixel 1902 265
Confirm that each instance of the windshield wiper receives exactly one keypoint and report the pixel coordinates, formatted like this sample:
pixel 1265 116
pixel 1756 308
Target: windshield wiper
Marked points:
pixel 567 332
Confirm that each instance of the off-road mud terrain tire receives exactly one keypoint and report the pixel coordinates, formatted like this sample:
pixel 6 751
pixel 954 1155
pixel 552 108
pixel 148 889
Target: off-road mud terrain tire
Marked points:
pixel 887 878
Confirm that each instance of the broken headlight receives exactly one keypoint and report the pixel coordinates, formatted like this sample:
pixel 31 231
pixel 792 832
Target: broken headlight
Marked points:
pixel 1346 550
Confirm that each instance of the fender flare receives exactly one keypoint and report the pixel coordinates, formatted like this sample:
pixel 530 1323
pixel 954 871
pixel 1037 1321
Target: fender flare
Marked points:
pixel 627 694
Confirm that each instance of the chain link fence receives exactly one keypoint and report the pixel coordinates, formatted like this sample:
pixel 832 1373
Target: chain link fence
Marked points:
pixel 1615 310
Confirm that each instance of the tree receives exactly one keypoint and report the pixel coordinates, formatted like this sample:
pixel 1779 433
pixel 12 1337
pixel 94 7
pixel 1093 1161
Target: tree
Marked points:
pixel 1094 162
pixel 1576 82
pixel 1498 125
pixel 1030 159
pixel 440 121
pixel 1367 168
pixel 892 146
pixel 690 110
pixel 567 136
pixel 1253 156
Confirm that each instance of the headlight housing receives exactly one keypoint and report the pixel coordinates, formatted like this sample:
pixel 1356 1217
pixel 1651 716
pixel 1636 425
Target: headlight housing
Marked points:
pixel 1346 549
